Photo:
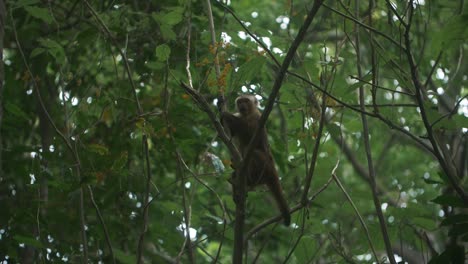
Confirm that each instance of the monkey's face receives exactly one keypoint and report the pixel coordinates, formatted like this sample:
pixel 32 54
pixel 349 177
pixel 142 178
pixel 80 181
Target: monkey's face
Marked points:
pixel 246 105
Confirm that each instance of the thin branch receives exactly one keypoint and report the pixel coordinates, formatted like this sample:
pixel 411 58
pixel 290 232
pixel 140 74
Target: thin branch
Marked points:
pixel 361 220
pixel 121 52
pixel 214 43
pixel 221 204
pixel 389 4
pixel 374 81
pixel 272 56
pixel 2 76
pixel 450 113
pixel 189 37
pixel 84 239
pixel 365 26
pixel 449 171
pixel 101 220
pixel 146 200
pixel 189 76
pixel 205 107
pixel 295 208
pixel 62 136
pixel 257 40
pixel 213 39
pixel 187 210
pixel 145 149
pixel 239 225
pixel 378 86
pixel 313 161
pixel 370 165
pixel 429 76
pixel 301 234
pixel 36 89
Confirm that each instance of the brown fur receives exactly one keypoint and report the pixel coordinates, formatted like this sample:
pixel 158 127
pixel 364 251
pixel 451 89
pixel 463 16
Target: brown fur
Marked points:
pixel 261 167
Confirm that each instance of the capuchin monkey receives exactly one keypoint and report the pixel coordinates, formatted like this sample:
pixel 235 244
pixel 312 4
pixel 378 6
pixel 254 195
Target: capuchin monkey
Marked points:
pixel 261 167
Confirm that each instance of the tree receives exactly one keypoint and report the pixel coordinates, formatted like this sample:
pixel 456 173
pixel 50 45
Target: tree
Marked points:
pixel 112 150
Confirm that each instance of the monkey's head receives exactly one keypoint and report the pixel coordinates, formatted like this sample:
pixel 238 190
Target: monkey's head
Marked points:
pixel 246 104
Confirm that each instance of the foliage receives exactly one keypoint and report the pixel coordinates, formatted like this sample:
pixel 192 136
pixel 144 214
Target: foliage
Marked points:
pixel 93 108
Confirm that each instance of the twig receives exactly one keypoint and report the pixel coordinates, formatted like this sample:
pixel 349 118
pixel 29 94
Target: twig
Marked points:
pixel 189 76
pixel 121 52
pixel 187 210
pixel 365 26
pixel 61 135
pixel 213 39
pixel 313 161
pixel 189 37
pixel 361 220
pixel 272 56
pixel 84 239
pixel 451 112
pixel 145 136
pixel 449 171
pixel 370 164
pixel 220 201
pixel 277 218
pixel 378 86
pixel 436 63
pixel 2 76
pixel 342 103
pixel 205 107
pixel 239 225
pixel 101 220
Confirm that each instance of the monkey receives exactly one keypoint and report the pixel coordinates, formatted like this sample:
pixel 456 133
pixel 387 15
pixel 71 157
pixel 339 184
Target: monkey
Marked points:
pixel 261 167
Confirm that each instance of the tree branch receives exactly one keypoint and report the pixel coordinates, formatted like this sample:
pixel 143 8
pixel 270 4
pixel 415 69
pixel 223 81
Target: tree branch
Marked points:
pixel 365 131
pixel 239 225
pixel 449 171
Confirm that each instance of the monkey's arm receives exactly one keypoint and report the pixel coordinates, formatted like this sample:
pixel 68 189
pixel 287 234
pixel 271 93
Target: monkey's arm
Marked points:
pixel 235 124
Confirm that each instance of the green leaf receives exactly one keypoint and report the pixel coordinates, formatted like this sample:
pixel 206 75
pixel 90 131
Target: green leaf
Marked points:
pixel 16 111
pixel 305 249
pixel 174 17
pixel 334 129
pixel 154 65
pixel 54 48
pixel 167 32
pixel 455 219
pixel 163 52
pixel 124 257
pixel 365 80
pixel 461 121
pixel 426 223
pixel 99 149
pixel 30 241
pixel 458 230
pixel 39 13
pixel 250 69
pixel 451 34
pixel 121 161
pixel 452 254
pixel 430 181
pixel 450 200
pixel 171 18
pixel 37 51
pixel 443 177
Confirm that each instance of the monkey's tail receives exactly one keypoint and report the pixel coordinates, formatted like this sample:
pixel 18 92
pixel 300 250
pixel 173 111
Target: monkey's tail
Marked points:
pixel 277 192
